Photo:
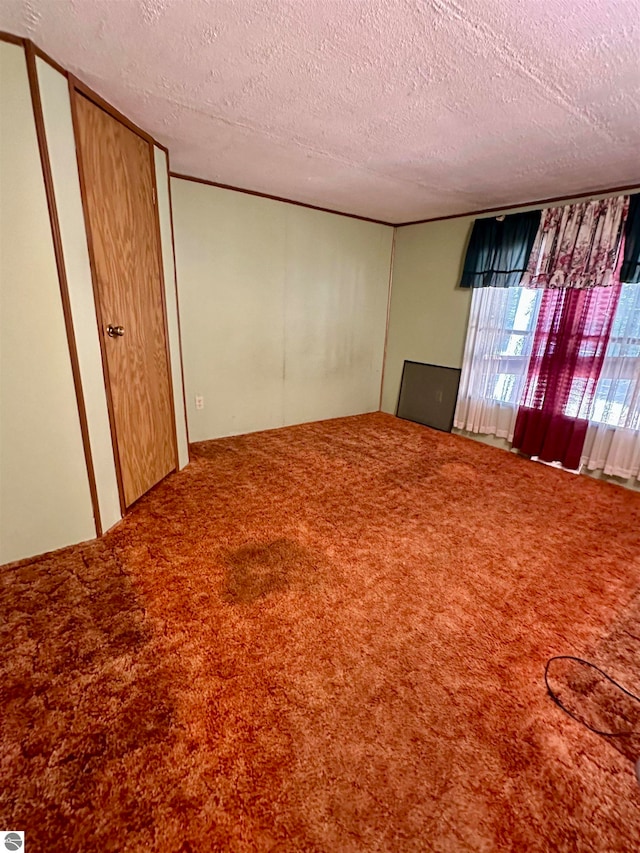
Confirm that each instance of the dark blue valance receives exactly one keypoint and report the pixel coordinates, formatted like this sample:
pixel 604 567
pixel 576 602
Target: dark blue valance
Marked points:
pixel 630 270
pixel 499 250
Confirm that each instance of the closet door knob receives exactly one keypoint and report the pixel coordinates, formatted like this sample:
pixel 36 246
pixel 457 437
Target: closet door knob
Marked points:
pixel 115 331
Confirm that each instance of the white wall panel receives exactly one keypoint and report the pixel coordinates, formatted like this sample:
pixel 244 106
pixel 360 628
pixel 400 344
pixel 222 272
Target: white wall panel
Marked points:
pixel 283 310
pixel 230 259
pixel 56 107
pixel 335 307
pixel 45 501
pixel 171 301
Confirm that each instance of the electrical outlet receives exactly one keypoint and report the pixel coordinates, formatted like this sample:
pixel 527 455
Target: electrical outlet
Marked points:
pixel 199 402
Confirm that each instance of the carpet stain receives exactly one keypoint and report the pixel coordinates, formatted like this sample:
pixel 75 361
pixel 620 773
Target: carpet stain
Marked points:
pixel 259 569
pixel 459 470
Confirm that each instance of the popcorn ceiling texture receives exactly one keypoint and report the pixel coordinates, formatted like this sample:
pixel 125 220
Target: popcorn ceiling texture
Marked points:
pixel 393 109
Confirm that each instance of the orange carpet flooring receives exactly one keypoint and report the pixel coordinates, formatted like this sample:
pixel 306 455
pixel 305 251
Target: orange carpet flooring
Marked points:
pixel 330 637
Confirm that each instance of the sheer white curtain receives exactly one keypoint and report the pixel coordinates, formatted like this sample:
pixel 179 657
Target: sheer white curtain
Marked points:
pixel 496 357
pixel 613 439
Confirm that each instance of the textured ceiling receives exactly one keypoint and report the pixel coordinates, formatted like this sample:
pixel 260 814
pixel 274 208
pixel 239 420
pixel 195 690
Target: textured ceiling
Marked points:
pixel 392 109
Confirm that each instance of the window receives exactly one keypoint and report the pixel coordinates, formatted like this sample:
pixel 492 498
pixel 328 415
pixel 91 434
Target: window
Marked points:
pixel 500 337
pixel 619 384
pixel 554 366
pixel 515 343
pixel 502 328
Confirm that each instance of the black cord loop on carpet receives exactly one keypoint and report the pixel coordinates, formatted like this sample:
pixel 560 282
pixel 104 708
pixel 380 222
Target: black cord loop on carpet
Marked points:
pixel 555 698
pixel 557 701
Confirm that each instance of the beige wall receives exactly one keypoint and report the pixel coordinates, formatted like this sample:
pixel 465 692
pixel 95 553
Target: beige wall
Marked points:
pixel 44 489
pixel 429 312
pixel 283 310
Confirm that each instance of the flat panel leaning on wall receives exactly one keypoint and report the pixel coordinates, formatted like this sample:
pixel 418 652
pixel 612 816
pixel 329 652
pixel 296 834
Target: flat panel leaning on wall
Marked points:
pixel 45 501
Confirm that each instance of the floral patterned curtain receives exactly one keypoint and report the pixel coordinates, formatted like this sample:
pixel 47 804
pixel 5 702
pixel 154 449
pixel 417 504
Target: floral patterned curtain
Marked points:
pixel 578 245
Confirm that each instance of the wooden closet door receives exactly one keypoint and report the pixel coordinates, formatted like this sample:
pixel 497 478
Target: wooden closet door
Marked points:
pixel 119 197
